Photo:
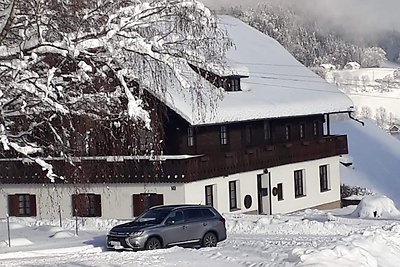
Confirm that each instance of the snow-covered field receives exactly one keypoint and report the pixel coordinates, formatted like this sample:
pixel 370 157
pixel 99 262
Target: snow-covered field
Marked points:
pixel 370 89
pixel 309 238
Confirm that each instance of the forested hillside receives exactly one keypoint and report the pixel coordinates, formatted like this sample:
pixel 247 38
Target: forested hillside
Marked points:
pixel 310 41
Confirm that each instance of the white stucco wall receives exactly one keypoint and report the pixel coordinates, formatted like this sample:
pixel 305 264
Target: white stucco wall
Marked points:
pixel 116 199
pixel 285 175
pixel 247 185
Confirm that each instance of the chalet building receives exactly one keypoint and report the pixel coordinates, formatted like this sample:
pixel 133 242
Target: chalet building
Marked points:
pixel 265 147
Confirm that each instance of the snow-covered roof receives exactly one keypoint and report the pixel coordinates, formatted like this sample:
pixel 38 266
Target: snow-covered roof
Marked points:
pixel 277 86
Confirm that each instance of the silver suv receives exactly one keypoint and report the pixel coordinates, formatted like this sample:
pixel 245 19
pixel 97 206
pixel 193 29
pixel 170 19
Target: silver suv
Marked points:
pixel 172 225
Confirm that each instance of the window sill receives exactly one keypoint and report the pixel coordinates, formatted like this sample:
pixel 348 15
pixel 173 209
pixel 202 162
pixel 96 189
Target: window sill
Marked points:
pixel 300 196
pixel 235 209
pixel 327 190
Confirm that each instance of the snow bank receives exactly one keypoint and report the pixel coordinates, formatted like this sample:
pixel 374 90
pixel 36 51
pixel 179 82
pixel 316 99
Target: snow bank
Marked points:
pixel 277 224
pixel 372 248
pixel 62 234
pixel 376 206
pixel 16 242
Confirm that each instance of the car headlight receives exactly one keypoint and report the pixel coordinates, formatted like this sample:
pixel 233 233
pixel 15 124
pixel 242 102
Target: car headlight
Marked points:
pixel 136 234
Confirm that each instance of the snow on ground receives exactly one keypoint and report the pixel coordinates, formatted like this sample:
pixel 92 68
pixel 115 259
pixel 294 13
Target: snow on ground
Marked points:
pixel 307 238
pixel 375 155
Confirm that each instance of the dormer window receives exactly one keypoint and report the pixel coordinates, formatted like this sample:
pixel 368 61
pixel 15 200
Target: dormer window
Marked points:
pixel 190 139
pixel 233 84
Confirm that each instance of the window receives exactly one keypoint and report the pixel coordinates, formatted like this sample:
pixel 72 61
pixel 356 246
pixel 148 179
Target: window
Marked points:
pixel 209 195
pixel 86 205
pixel 192 214
pixel 207 213
pixel 249 134
pixel 287 132
pixel 267 130
pixel 224 135
pixel 233 205
pixel 176 217
pixel 280 191
pixel 299 183
pixel 233 84
pixel 23 205
pixel 190 140
pixel 144 201
pixel 316 128
pixel 323 178
pixel 302 131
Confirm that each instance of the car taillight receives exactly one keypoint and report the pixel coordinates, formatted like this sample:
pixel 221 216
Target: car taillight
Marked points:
pixel 222 219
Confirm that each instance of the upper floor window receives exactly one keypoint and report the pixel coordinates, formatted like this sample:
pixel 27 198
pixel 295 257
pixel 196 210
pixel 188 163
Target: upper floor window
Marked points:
pixel 267 130
pixel 249 134
pixel 190 139
pixel 302 131
pixel 287 132
pixel 223 135
pixel 232 84
pixel 316 128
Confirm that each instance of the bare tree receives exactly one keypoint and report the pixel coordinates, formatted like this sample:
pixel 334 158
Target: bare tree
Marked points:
pixel 61 59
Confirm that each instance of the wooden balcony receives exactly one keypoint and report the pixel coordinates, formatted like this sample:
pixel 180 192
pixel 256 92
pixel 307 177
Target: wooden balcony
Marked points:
pixel 176 170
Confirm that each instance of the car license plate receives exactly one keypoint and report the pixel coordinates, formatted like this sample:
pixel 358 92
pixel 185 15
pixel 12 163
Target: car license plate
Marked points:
pixel 115 243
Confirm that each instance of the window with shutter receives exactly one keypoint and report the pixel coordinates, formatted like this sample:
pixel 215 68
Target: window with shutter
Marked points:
pixel 22 205
pixel 86 205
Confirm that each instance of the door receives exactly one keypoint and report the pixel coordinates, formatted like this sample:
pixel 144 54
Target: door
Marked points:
pixel 175 230
pixel 264 194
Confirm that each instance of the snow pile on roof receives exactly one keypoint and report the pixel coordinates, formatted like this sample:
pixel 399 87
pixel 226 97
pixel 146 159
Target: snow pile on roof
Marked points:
pixel 277 86
pixel 377 206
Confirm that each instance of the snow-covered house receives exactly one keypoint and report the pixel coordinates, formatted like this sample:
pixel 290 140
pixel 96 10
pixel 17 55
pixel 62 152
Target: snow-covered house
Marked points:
pixel 265 146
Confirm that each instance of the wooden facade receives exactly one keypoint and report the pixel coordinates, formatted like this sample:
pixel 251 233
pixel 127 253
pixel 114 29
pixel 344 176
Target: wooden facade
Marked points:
pixel 247 146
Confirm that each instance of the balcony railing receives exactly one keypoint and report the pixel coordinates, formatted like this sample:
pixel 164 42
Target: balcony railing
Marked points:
pixel 176 170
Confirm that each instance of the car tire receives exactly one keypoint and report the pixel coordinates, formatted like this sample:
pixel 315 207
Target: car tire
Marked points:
pixel 153 243
pixel 209 240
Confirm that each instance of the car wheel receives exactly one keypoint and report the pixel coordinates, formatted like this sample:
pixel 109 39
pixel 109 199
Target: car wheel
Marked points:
pixel 153 243
pixel 209 240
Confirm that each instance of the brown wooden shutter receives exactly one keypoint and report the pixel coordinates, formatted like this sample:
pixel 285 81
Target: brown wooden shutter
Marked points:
pixel 158 199
pixel 138 204
pixel 13 205
pixel 97 203
pixel 78 205
pixel 32 203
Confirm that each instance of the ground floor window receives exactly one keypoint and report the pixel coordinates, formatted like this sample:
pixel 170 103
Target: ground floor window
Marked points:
pixel 144 201
pixel 209 195
pixel 299 189
pixel 233 195
pixel 23 205
pixel 324 178
pixel 86 205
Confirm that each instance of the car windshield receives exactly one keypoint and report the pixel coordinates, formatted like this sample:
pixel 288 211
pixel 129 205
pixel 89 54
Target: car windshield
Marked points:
pixel 152 217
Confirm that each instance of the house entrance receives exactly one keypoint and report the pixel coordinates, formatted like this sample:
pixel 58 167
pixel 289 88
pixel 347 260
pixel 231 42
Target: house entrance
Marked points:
pixel 264 194
pixel 144 201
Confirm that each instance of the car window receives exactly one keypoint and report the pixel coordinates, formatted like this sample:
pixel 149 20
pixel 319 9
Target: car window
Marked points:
pixel 176 216
pixel 152 217
pixel 207 213
pixel 192 214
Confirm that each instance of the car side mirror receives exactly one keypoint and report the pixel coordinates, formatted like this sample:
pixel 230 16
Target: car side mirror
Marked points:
pixel 170 221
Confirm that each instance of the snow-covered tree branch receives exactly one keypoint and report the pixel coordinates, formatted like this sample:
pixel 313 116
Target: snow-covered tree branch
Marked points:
pixel 60 59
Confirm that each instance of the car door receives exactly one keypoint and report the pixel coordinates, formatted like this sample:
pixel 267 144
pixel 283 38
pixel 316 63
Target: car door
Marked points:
pixel 195 224
pixel 175 230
